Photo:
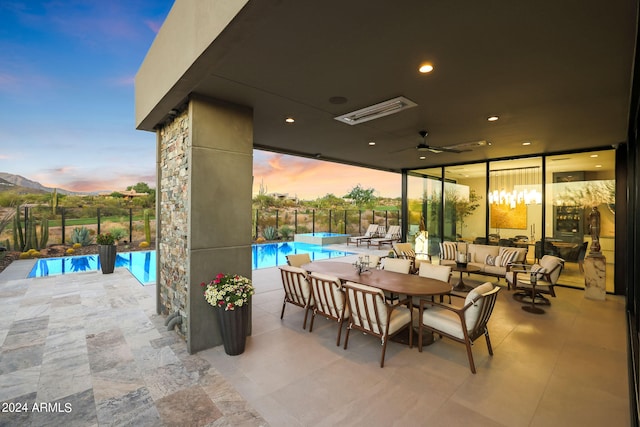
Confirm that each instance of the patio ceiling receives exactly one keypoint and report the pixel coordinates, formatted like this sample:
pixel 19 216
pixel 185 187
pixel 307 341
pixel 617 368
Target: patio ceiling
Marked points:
pixel 558 75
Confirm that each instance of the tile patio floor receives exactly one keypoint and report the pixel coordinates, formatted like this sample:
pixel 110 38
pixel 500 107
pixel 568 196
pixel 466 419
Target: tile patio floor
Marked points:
pixel 94 342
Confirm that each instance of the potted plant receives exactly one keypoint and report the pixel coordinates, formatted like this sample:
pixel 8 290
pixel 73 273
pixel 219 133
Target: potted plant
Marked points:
pixel 230 295
pixel 107 252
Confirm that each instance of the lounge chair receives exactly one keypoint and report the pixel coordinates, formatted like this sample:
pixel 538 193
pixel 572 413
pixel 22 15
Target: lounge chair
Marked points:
pixel 393 235
pixel 371 232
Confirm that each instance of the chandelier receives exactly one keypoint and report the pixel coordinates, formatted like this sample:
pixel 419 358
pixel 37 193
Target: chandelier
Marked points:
pixel 513 186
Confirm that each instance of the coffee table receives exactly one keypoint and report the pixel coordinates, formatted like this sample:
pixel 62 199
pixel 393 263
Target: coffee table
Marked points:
pixel 460 286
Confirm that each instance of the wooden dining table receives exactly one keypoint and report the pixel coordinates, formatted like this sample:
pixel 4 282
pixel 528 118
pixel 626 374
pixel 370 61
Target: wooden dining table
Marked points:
pixel 390 281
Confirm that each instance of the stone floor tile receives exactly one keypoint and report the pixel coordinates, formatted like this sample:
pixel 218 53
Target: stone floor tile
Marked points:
pixel 189 406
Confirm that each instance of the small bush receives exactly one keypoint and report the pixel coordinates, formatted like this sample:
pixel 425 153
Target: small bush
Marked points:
pixel 144 244
pixel 70 251
pixel 261 240
pixel 286 232
pixel 25 255
pixel 77 245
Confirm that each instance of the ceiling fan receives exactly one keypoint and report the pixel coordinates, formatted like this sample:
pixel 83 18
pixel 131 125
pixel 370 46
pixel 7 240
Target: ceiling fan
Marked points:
pixel 423 146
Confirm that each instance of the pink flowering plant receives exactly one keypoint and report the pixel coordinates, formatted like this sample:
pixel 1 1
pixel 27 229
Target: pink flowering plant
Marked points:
pixel 228 291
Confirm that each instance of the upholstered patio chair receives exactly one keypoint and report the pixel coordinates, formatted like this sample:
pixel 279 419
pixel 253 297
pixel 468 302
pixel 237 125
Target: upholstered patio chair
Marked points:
pixel 547 273
pixel 297 290
pixel 297 260
pixel 374 260
pixel 462 324
pixel 329 300
pixel 372 315
pixel 406 251
pixel 397 265
pixel 433 271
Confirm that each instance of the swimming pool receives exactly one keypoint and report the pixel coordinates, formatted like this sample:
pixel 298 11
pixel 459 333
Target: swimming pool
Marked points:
pixel 142 264
pixel 275 254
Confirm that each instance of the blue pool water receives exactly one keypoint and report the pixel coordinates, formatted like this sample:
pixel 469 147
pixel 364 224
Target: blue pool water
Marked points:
pixel 142 264
pixel 274 254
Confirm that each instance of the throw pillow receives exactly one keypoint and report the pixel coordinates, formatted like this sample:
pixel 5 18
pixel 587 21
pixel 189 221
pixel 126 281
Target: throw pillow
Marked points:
pixel 448 250
pixel 507 256
pixel 538 270
pixel 490 260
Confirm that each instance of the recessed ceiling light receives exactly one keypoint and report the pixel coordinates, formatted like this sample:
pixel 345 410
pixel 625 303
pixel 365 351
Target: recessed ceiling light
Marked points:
pixel 526 143
pixel 372 143
pixel 492 118
pixel 289 120
pixel 598 166
pixel 423 157
pixel 425 68
pixel 593 155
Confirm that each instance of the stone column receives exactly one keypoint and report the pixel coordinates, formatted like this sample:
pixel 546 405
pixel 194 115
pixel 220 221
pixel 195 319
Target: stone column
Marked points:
pixel 595 277
pixel 205 170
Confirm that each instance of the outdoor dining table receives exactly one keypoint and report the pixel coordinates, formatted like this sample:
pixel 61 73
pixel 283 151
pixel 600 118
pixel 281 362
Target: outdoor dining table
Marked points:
pixel 395 283
pixel 390 281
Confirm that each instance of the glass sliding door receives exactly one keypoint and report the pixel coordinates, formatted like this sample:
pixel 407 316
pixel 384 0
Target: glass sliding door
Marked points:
pixel 515 203
pixel 465 189
pixel 424 193
pixel 575 185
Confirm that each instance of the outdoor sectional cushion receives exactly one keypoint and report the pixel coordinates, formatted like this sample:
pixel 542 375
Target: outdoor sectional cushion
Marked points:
pixel 501 256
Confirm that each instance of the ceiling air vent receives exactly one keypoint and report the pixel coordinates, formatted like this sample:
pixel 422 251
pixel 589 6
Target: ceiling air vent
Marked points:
pixel 376 111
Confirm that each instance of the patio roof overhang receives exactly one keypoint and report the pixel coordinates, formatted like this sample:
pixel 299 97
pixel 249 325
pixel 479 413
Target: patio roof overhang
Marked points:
pixel 557 74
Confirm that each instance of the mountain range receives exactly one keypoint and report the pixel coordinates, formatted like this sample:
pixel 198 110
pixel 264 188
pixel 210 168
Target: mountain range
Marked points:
pixel 9 181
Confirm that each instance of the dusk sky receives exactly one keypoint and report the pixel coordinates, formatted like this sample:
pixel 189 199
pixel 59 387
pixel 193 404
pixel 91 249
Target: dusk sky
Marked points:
pixel 67 73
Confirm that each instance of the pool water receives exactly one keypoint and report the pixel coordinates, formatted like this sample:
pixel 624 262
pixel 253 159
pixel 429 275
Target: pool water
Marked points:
pixel 142 264
pixel 275 254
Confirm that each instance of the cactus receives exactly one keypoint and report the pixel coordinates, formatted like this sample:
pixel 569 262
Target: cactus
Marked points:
pixel 147 227
pixel 44 233
pixel 270 233
pixel 30 237
pixel 54 201
pixel 18 236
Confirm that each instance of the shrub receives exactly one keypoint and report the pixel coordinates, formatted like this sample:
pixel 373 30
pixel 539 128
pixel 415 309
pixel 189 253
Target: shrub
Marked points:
pixel 286 232
pixel 25 255
pixel 77 245
pixel 105 239
pixel 144 244
pixel 261 240
pixel 70 251
pixel 118 233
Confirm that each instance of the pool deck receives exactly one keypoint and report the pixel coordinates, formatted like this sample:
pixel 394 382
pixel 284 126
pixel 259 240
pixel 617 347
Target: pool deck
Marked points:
pixel 94 342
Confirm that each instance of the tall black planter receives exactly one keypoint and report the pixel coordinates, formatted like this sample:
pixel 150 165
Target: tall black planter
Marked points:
pixel 107 255
pixel 233 327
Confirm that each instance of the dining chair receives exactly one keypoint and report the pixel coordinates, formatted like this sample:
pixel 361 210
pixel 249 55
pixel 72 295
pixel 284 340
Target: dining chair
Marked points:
pixel 462 324
pixel 405 250
pixel 297 290
pixel 373 316
pixel 397 265
pixel 297 260
pixel 433 271
pixel 329 300
pixel 374 260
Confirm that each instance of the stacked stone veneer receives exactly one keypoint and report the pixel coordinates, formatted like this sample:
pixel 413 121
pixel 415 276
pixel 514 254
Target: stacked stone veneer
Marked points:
pixel 173 229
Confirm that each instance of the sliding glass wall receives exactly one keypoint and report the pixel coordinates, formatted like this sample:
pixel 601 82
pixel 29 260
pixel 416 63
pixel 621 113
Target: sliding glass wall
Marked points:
pixel 503 203
pixel 578 188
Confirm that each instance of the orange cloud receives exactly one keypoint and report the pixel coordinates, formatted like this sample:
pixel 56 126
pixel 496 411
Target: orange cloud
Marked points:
pixel 309 179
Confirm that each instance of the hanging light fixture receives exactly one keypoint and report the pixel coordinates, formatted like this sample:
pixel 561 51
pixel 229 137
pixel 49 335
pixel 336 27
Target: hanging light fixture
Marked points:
pixel 511 187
